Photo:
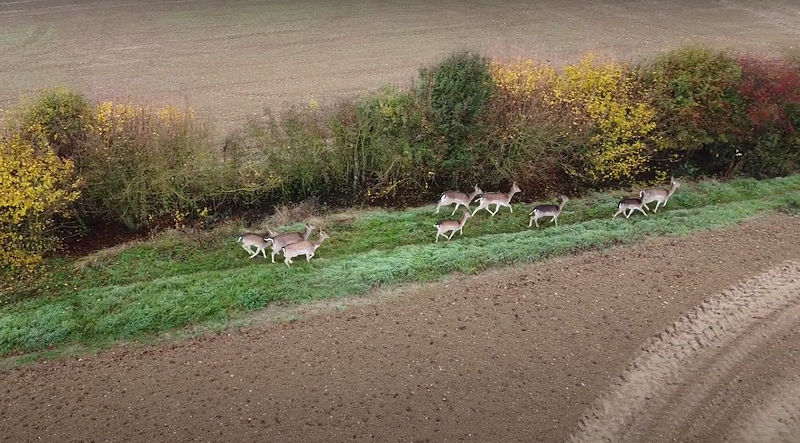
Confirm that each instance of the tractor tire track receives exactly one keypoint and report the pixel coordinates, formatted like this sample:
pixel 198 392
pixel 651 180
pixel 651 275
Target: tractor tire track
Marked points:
pixel 680 386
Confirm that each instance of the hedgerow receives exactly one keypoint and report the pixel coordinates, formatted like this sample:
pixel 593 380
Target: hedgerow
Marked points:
pixel 464 121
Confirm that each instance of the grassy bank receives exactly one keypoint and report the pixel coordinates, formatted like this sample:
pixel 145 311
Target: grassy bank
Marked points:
pixel 179 280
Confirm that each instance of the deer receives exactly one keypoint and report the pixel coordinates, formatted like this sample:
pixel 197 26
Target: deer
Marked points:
pixel 451 226
pixel 281 240
pixel 459 198
pixel 498 199
pixel 304 247
pixel 658 195
pixel 630 205
pixel 250 240
pixel 553 211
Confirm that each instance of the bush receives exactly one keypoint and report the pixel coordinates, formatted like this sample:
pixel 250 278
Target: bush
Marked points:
pixel 455 92
pixel 529 136
pixel 609 99
pixel 283 159
pixel 59 115
pixel 771 92
pixel 383 149
pixel 698 107
pixel 145 166
pixel 35 185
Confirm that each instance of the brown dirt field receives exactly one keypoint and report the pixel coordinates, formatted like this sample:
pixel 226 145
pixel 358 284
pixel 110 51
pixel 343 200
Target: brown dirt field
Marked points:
pixel 519 354
pixel 234 58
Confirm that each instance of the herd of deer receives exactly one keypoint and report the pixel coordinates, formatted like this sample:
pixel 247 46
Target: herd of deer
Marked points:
pixel 295 244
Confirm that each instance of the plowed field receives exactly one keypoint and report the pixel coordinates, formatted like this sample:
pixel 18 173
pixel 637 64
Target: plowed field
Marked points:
pixel 234 58
pixel 694 338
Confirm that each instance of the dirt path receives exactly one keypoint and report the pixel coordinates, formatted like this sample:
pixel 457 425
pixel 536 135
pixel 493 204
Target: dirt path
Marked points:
pixel 510 355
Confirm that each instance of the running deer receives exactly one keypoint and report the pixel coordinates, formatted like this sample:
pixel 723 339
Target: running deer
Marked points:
pixel 553 211
pixel 630 205
pixel 281 240
pixel 304 247
pixel 250 240
pixel 498 199
pixel 658 195
pixel 451 226
pixel 459 198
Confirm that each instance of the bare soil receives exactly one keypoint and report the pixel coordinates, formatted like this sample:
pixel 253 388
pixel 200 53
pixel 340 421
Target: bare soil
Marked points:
pixel 528 353
pixel 234 58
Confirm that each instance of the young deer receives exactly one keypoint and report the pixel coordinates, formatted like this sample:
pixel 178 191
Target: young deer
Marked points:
pixel 446 226
pixel 630 205
pixel 547 211
pixel 459 198
pixel 498 199
pixel 658 195
pixel 249 240
pixel 281 240
pixel 304 247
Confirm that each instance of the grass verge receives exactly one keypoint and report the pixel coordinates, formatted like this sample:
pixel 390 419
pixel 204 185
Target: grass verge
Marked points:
pixel 175 281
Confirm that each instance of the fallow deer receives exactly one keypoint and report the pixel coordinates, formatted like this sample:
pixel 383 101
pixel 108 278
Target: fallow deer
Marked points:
pixel 250 240
pixel 498 199
pixel 658 195
pixel 451 226
pixel 630 205
pixel 459 198
pixel 553 211
pixel 281 240
pixel 304 247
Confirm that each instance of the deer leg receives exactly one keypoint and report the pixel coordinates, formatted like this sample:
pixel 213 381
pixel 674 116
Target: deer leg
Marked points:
pixel 647 207
pixel 640 210
pixel 438 205
pixel 617 213
pixel 288 261
pixel 530 223
pixel 657 203
pixel 455 209
pixel 437 237
pixel 555 220
pixel 273 256
pixel 451 235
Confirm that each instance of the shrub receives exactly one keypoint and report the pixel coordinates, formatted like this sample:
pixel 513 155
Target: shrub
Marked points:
pixel 59 115
pixel 699 111
pixel 145 165
pixel 285 158
pixel 456 92
pixel 608 97
pixel 529 136
pixel 771 92
pixel 35 185
pixel 382 147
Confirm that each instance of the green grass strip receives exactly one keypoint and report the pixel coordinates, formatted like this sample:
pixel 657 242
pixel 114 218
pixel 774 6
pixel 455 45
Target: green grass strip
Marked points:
pixel 218 282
